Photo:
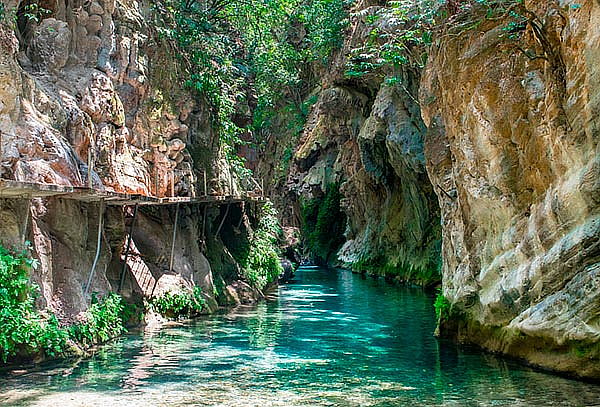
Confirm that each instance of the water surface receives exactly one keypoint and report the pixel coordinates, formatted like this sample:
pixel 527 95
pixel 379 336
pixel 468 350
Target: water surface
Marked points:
pixel 327 339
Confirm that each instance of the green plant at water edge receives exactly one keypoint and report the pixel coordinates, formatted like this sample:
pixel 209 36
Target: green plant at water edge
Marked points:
pixel 102 321
pixel 176 304
pixel 442 306
pixel 23 330
pixel 263 264
pixel 259 257
pixel 27 332
pixel 426 275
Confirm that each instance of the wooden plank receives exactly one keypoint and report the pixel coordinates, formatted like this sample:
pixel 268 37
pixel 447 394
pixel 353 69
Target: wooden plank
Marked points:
pixel 19 189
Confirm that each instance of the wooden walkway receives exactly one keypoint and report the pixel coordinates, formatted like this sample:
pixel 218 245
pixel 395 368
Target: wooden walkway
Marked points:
pixel 131 259
pixel 25 190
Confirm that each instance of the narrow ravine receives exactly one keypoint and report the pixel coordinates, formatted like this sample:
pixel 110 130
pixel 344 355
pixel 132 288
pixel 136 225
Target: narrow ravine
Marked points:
pixel 162 160
pixel 326 339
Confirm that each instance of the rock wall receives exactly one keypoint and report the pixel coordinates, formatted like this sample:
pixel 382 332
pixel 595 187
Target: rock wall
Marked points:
pixel 500 131
pixel 366 134
pixel 90 96
pixel 513 152
pixel 92 84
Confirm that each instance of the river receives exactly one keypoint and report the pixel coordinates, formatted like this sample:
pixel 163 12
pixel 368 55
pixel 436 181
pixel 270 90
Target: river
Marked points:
pixel 327 339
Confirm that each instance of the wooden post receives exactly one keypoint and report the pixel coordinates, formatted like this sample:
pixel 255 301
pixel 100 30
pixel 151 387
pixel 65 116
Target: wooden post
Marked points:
pixel 204 223
pixel 26 225
pixel 174 236
pixel 223 220
pixel 156 182
pixel 129 238
pixel 90 167
pixel 98 244
pixel 243 210
pixel 153 287
pixel 193 182
pixel 172 182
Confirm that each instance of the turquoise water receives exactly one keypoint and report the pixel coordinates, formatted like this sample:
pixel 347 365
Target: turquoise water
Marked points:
pixel 327 339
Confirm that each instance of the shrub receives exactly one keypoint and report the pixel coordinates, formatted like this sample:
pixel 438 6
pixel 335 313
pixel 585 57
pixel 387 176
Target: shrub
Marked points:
pixel 184 303
pixel 103 321
pixel 405 47
pixel 259 258
pixel 23 330
pixel 263 265
pixel 27 332
pixel 442 306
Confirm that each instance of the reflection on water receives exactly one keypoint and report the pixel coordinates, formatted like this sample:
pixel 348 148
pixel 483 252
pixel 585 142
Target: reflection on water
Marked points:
pixel 329 339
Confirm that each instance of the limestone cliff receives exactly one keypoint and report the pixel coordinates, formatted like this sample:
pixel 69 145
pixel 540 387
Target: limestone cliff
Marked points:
pixel 366 136
pixel 90 96
pixel 513 152
pixel 504 119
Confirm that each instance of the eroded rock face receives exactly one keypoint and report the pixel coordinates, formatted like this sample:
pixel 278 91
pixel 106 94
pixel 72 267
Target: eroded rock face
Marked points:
pixel 77 92
pixel 190 267
pixel 513 152
pixel 49 48
pixel 81 105
pixel 367 136
pixel 63 234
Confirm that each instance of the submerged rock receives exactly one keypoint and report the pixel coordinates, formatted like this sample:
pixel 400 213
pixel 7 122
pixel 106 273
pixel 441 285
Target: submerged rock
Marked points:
pixel 288 271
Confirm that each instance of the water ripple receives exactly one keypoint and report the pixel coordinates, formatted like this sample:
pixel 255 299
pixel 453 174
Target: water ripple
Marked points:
pixel 331 339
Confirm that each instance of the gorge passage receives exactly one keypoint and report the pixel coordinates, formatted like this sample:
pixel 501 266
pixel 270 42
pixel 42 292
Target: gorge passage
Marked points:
pixel 162 160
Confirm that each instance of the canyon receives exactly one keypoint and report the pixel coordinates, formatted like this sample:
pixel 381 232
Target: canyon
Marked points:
pixel 473 165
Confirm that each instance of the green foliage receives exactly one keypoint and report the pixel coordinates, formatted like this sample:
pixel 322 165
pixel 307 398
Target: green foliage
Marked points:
pixel 384 51
pixel 235 52
pixel 324 223
pixel 23 330
pixel 263 265
pixel 295 118
pixel 512 11
pixel 442 306
pixel 206 47
pixel 325 21
pixel 299 114
pixel 26 332
pixel 260 257
pixel 427 276
pixel 178 304
pixel 403 46
pixel 133 314
pixel 32 11
pixel 103 321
